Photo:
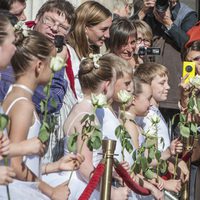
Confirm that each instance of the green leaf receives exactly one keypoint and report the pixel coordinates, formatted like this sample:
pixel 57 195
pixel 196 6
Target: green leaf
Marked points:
pixel 71 142
pixel 198 103
pixel 84 118
pixel 95 142
pixel 185 131
pixel 3 121
pixel 89 145
pixel 149 174
pixel 128 146
pixel 44 133
pixel 134 155
pixel 137 168
pixel 92 117
pixel 42 106
pixel 53 103
pixel 194 128
pixel 118 131
pixel 163 166
pixel 150 142
pixel 158 155
pixel 182 118
pixel 127 135
pixel 45 90
pixel 191 103
pixel 144 163
pixel 151 153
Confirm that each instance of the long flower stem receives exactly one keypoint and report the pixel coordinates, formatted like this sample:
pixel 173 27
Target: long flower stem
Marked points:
pixel 175 167
pixel 7 187
pixel 48 95
pixel 70 177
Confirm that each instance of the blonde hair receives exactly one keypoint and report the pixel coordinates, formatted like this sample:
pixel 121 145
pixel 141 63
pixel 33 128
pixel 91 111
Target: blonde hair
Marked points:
pixel 148 71
pixel 144 29
pixel 91 76
pixel 88 14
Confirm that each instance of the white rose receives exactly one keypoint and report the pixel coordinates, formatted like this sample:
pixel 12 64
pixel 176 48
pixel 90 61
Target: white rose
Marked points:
pixel 124 96
pixel 99 100
pixel 195 81
pixel 57 63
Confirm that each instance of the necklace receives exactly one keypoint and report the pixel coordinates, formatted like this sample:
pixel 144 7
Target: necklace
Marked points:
pixel 24 88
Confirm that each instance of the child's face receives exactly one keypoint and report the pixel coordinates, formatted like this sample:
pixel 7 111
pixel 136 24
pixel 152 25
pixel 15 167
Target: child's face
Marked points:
pixel 124 83
pixel 7 49
pixel 142 101
pixel 195 57
pixel 160 88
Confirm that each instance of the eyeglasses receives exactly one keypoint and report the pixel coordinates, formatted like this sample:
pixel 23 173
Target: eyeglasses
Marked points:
pixel 50 22
pixel 140 40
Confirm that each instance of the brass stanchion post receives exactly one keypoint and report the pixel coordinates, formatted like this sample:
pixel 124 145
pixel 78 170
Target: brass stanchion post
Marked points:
pixel 108 147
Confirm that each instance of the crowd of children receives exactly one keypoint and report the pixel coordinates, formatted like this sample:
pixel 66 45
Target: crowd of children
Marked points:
pixel 38 169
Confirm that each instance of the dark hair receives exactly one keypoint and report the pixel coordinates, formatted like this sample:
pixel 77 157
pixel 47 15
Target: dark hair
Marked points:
pixel 6 4
pixel 13 19
pixel 59 6
pixel 195 46
pixel 35 45
pixel 4 23
pixel 120 31
pixel 91 76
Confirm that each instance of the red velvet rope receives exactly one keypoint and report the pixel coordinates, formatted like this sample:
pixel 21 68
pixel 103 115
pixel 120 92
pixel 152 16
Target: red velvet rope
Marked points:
pixel 187 156
pixel 93 182
pixel 135 187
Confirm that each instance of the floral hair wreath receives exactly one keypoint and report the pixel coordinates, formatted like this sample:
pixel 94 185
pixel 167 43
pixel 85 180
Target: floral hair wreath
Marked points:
pixel 21 26
pixel 95 58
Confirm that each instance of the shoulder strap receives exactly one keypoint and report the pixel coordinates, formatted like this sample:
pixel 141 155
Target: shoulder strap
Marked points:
pixel 14 102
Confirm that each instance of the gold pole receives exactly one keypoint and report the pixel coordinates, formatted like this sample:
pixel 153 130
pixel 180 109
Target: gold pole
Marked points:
pixel 108 147
pixel 186 187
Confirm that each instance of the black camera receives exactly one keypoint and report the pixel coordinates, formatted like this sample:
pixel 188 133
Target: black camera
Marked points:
pixel 162 5
pixel 151 51
pixel 59 41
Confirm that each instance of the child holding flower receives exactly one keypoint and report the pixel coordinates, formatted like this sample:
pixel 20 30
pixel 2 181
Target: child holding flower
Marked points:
pixel 157 76
pixel 31 66
pixel 96 76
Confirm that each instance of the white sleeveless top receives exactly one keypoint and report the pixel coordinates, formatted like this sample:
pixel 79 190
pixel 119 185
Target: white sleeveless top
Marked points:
pixel 32 161
pixel 109 122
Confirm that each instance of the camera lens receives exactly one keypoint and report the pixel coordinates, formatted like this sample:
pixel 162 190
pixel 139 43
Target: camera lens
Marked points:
pixel 188 68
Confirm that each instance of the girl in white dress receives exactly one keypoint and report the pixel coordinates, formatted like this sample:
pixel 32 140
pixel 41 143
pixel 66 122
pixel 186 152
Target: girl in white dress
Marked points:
pixel 95 77
pixel 31 65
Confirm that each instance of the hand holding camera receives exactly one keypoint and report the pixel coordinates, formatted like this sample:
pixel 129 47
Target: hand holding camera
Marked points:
pixel 59 42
